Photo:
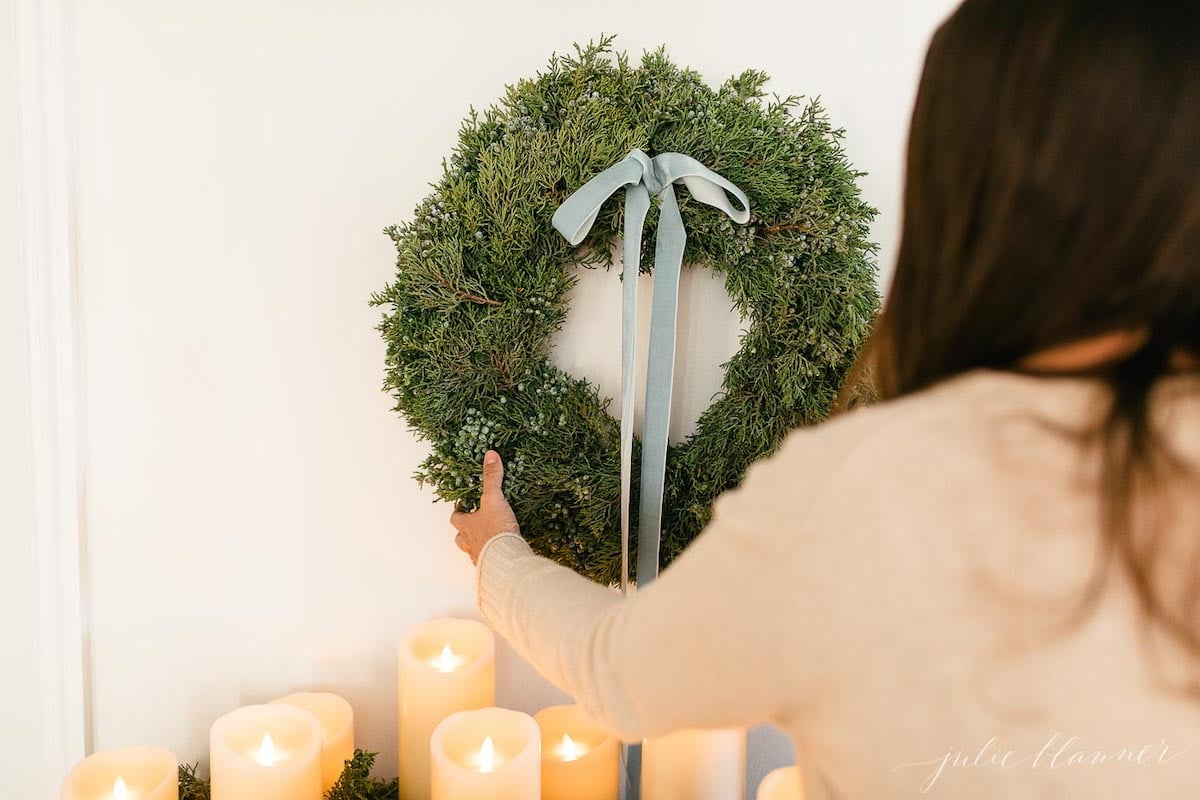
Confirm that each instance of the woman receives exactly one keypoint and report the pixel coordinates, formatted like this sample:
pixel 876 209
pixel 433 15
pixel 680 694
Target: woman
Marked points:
pixel 987 584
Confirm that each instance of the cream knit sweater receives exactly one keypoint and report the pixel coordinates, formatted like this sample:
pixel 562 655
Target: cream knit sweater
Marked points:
pixel 893 589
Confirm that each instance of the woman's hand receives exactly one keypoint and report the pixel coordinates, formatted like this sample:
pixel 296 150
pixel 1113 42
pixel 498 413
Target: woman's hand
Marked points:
pixel 494 515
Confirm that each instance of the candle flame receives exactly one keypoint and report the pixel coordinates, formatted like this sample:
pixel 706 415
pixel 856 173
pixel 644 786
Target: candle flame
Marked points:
pixel 447 661
pixel 120 790
pixel 569 750
pixel 487 756
pixel 266 754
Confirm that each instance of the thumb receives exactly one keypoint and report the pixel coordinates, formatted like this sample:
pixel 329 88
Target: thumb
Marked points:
pixel 493 476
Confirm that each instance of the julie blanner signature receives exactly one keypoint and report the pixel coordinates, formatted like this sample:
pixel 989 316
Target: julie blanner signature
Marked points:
pixel 1059 752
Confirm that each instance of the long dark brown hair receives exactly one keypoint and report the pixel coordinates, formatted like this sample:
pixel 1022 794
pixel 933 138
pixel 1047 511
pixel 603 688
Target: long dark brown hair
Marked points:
pixel 1053 195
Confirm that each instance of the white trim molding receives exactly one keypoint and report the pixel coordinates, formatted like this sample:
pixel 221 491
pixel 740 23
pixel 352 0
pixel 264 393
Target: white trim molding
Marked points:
pixel 45 112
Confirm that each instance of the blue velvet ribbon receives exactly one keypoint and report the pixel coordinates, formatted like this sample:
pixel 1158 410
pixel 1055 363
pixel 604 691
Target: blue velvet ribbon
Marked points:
pixel 643 177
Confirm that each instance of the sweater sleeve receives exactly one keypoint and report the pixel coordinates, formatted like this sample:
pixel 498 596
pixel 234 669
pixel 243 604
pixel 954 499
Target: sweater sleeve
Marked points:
pixel 697 648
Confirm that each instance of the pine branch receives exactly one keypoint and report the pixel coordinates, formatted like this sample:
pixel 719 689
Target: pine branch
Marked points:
pixel 790 226
pixel 192 787
pixel 356 782
pixel 473 298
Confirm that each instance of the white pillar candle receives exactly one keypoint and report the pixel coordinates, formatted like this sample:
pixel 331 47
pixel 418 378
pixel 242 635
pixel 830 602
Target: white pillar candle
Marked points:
pixel 580 760
pixel 699 765
pixel 445 666
pixel 132 773
pixel 336 718
pixel 268 752
pixel 487 754
pixel 784 783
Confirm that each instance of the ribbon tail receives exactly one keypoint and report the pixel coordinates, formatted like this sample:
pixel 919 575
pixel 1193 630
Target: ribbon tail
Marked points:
pixel 637 203
pixel 660 373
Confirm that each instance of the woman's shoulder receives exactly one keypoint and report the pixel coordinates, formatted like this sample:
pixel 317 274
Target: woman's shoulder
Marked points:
pixel 951 413
pixel 952 427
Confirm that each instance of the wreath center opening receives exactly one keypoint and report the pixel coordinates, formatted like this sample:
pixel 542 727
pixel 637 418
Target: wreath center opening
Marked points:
pixel 708 328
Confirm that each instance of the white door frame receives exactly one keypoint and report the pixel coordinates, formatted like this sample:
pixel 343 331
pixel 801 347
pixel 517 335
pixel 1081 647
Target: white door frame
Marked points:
pixel 45 72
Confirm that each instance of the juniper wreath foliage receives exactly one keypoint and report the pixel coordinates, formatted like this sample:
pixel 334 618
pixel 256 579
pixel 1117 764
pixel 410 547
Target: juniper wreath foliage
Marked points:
pixel 482 286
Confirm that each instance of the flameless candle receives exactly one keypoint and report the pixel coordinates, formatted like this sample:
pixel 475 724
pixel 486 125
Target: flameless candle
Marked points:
pixel 269 752
pixel 445 666
pixel 336 718
pixel 782 784
pixel 580 760
pixel 132 773
pixel 700 765
pixel 487 754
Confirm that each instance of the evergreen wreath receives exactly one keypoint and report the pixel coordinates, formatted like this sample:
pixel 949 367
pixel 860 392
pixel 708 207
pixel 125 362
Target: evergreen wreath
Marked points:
pixel 482 277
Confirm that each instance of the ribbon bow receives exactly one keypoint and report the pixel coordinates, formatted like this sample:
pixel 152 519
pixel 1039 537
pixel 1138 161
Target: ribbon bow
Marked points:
pixel 642 176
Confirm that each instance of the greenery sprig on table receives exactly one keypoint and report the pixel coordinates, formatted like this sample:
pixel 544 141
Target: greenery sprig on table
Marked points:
pixel 355 782
pixel 482 285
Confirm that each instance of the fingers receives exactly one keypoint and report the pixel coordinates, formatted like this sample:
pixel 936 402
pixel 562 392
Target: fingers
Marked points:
pixel 459 519
pixel 493 476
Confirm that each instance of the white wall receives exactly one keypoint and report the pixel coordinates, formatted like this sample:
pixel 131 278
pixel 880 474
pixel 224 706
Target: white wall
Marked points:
pixel 42 730
pixel 19 763
pixel 252 527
